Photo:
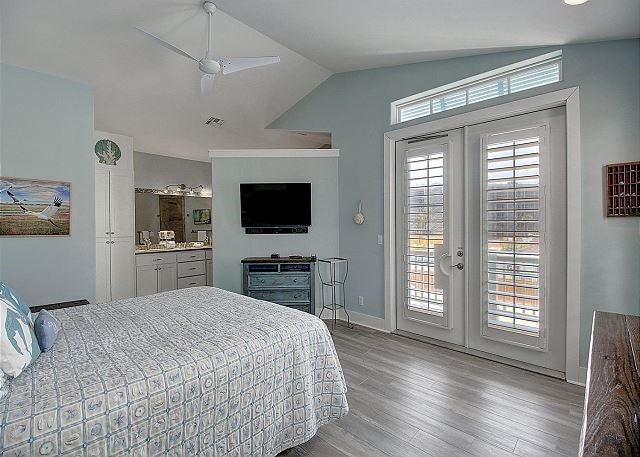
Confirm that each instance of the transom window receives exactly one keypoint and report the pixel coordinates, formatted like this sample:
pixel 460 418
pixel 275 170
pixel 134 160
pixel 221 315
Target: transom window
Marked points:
pixel 530 73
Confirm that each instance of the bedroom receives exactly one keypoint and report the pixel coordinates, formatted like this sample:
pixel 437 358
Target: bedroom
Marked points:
pixel 119 162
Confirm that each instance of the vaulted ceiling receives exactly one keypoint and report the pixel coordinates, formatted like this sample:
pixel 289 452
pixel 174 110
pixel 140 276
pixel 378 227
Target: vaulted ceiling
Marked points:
pixel 146 91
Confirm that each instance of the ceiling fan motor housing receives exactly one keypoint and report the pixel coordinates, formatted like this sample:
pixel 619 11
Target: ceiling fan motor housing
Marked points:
pixel 209 66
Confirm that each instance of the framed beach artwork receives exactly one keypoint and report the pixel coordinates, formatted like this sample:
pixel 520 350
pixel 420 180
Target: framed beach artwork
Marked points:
pixel 34 207
pixel 201 216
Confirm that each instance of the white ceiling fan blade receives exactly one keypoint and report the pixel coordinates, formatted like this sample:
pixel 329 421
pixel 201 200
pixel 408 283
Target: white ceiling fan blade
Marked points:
pixel 167 45
pixel 206 84
pixel 234 64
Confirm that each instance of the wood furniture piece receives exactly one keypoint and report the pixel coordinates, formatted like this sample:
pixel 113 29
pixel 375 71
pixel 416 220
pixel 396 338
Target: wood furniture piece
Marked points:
pixel 171 270
pixel 623 189
pixel 114 204
pixel 285 280
pixel 611 421
pixel 65 304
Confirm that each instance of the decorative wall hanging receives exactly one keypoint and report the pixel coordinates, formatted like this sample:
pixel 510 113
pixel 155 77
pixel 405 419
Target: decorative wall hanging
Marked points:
pixel 202 216
pixel 623 189
pixel 108 152
pixel 358 218
pixel 32 207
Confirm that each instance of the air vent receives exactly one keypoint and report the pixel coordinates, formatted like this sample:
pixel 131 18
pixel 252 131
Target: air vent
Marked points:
pixel 215 122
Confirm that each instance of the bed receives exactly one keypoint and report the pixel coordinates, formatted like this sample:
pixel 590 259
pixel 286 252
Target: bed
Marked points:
pixel 198 371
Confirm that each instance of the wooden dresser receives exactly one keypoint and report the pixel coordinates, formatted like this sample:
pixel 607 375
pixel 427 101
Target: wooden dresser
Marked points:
pixel 286 281
pixel 611 422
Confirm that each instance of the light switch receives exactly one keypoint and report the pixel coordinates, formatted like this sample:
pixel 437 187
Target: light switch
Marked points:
pixel 380 240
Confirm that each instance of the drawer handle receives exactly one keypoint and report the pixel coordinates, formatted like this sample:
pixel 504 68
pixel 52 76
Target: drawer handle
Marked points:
pixel 158 260
pixel 193 257
pixel 262 281
pixel 295 280
pixel 193 283
pixel 192 268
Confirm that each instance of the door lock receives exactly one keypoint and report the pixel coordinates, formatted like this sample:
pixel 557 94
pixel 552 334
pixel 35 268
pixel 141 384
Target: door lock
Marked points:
pixel 459 266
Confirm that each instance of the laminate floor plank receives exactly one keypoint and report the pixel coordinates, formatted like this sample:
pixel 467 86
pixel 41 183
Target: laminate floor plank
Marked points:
pixel 413 399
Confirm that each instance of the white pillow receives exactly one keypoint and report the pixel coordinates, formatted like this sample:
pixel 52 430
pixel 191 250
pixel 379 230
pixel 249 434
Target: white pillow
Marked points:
pixel 18 343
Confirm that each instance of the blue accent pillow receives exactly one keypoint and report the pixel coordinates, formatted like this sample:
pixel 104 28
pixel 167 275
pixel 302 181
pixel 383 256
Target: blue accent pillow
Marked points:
pixel 8 294
pixel 46 327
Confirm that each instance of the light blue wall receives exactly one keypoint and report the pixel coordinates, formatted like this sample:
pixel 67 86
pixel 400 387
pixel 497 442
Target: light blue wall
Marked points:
pixel 231 244
pixel 354 107
pixel 47 133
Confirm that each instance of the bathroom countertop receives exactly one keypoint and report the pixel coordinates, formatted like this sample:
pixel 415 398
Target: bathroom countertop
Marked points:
pixel 153 251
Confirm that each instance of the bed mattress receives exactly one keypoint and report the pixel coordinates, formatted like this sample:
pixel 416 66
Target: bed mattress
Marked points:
pixel 198 371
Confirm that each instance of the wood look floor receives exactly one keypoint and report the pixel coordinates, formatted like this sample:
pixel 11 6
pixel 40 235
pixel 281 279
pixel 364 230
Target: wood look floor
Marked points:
pixel 412 399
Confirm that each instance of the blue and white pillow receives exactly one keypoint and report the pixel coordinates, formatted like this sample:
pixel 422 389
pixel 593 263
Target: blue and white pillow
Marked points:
pixel 18 342
pixel 7 293
pixel 46 327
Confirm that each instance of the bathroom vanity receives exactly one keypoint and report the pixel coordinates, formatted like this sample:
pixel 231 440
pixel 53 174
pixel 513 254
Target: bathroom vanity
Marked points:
pixel 160 270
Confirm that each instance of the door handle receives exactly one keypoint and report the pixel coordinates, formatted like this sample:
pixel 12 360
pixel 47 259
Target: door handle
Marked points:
pixel 442 257
pixel 459 266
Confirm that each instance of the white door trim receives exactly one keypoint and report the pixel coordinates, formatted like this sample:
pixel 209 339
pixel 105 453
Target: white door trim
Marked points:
pixel 566 97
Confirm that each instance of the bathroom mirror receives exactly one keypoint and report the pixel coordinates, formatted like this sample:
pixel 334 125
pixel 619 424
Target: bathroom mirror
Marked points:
pixel 188 216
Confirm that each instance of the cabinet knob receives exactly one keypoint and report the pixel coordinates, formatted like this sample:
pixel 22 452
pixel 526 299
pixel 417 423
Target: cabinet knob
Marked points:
pixel 262 281
pixel 295 280
pixel 159 268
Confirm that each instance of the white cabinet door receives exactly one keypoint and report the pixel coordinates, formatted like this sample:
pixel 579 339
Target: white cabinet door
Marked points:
pixel 102 270
pixel 146 280
pixel 167 277
pixel 122 269
pixel 102 203
pixel 122 198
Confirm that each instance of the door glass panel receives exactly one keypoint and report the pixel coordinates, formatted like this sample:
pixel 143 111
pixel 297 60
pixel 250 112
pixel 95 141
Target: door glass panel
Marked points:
pixel 425 211
pixel 512 213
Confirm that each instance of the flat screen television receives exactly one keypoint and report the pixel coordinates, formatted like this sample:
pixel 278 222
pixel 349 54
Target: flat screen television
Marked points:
pixel 275 204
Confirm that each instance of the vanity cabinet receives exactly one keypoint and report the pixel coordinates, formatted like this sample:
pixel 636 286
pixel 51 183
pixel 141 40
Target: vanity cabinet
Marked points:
pixel 163 271
pixel 209 266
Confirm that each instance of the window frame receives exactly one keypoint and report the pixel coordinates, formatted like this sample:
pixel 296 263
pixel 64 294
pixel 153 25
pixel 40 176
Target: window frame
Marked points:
pixel 465 84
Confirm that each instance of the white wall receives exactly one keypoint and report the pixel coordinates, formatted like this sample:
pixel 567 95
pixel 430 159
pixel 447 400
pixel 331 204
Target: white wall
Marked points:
pixel 231 244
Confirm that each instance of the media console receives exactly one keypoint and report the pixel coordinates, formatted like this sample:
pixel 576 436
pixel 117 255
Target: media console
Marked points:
pixel 274 230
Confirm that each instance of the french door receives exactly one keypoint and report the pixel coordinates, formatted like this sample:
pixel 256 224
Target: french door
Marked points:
pixel 430 268
pixel 483 244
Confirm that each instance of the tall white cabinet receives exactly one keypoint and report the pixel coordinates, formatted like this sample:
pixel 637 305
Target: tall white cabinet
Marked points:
pixel 115 213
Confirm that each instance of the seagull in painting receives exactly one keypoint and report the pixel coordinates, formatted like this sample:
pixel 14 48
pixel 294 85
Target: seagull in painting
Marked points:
pixel 46 214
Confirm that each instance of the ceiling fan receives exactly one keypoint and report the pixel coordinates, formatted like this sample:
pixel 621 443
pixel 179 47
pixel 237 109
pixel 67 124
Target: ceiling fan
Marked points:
pixel 211 66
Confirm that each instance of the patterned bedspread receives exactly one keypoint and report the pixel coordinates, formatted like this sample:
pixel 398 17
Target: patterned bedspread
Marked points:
pixel 197 371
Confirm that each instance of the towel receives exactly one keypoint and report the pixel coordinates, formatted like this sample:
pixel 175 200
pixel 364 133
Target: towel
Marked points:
pixel 202 235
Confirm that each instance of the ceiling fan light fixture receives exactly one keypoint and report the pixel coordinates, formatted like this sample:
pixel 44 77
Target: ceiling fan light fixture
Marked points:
pixel 575 2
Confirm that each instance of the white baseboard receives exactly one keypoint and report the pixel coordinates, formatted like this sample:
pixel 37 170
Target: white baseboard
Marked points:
pixel 582 381
pixel 365 320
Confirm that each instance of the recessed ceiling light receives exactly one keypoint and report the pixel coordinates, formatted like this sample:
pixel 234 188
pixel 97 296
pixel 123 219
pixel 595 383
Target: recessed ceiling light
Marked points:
pixel 575 2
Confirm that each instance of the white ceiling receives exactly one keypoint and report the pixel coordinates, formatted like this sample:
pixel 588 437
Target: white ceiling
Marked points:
pixel 345 35
pixel 146 91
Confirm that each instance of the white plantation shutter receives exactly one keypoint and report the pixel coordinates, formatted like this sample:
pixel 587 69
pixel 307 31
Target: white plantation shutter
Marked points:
pixel 425 211
pixel 513 207
pixel 546 69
